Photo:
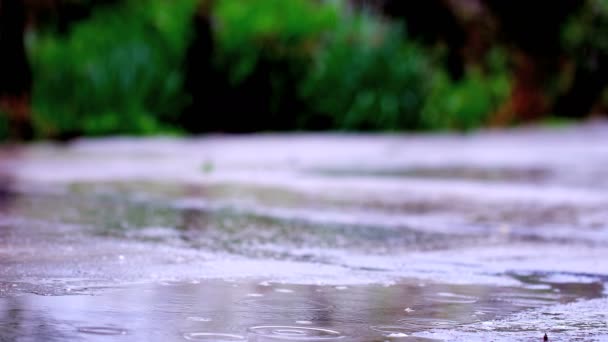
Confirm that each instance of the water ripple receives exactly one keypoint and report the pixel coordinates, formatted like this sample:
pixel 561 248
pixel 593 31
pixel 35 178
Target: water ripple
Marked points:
pixel 285 304
pixel 108 331
pixel 452 298
pixel 290 333
pixel 215 337
pixel 418 324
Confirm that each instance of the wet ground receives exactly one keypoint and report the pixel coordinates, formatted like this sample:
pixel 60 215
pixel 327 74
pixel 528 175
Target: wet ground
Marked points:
pixel 495 236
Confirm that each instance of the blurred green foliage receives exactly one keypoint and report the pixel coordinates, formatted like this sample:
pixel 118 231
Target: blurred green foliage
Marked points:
pixel 469 102
pixel 4 125
pixel 587 28
pixel 366 77
pixel 585 37
pixel 116 72
pixel 250 30
pixel 352 70
pixel 266 46
pixel 327 65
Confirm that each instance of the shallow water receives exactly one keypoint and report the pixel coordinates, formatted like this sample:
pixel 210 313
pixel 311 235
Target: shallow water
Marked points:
pixel 251 310
pixel 377 238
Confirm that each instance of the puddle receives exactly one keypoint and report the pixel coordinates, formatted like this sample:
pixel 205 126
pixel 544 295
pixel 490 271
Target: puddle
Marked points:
pixel 429 238
pixel 220 311
pixel 111 246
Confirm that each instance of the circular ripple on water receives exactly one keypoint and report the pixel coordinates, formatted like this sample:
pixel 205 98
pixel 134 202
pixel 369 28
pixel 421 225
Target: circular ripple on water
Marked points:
pixel 417 324
pixel 215 337
pixel 452 298
pixel 108 331
pixel 285 304
pixel 295 333
pixel 529 300
pixel 399 333
pixel 391 330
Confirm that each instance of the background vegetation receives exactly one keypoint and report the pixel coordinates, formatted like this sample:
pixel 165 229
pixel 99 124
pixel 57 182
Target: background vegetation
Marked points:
pixel 118 71
pixel 156 66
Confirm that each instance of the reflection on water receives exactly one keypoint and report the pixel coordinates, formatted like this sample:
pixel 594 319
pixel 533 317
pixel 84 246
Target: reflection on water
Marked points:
pixel 223 229
pixel 224 311
pixel 533 175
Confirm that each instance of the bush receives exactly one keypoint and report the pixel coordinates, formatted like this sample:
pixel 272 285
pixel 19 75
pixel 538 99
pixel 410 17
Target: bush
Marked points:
pixel 277 65
pixel 4 125
pixel 585 39
pixel 587 28
pixel 342 69
pixel 263 50
pixel 469 102
pixel 367 77
pixel 117 72
pixel 250 30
